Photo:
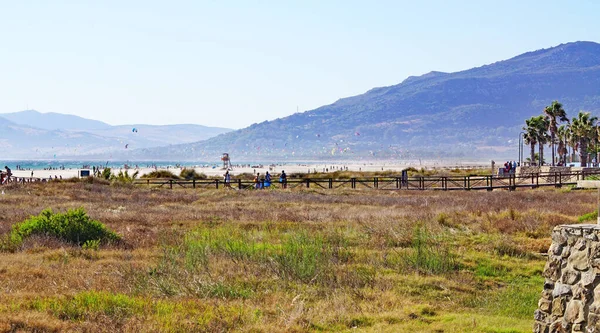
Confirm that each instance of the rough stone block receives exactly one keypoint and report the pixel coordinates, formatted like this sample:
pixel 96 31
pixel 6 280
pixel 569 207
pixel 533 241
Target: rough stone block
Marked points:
pixel 540 328
pixel 561 289
pixel 558 306
pixel 552 269
pixel 574 312
pixel 588 277
pixel 545 305
pixel 570 277
pixel 579 260
pixel 539 315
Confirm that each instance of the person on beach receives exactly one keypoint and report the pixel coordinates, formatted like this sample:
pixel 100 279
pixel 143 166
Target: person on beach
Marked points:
pixel 257 181
pixel 283 179
pixel 267 179
pixel 8 173
pixel 227 179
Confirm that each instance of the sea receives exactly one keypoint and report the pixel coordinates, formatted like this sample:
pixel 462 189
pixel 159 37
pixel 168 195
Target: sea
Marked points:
pixel 84 164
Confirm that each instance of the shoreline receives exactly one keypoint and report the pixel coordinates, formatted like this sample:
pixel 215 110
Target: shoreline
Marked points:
pixel 213 170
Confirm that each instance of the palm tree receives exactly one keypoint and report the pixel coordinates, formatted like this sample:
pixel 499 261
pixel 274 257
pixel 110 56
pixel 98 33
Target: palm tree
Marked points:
pixel 531 135
pixel 535 132
pixel 583 128
pixel 555 113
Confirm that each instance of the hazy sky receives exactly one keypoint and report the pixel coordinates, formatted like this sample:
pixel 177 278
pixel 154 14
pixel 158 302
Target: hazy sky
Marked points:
pixel 234 63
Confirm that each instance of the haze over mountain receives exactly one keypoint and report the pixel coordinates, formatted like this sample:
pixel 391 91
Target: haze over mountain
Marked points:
pixel 477 113
pixel 34 135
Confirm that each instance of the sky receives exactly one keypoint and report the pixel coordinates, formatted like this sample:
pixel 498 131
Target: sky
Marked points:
pixel 234 63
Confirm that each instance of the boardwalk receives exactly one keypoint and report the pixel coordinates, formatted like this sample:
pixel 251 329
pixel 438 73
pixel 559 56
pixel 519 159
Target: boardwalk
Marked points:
pixel 450 183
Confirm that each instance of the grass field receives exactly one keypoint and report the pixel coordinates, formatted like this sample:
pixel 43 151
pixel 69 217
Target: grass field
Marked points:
pixel 281 260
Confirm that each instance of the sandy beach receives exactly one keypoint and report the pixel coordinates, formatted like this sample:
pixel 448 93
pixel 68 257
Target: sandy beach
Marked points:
pixel 214 170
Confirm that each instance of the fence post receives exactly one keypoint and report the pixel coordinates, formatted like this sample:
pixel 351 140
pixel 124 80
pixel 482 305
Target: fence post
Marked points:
pixel 559 180
pixel 445 183
pixel 239 184
pixel 491 183
pixel 148 182
pixel 397 183
pixel 537 179
pixel 375 182
pixel 353 182
pixel 194 183
pixel 330 182
pixel 307 182
pixel 171 184
pixel 468 183
pixel 217 183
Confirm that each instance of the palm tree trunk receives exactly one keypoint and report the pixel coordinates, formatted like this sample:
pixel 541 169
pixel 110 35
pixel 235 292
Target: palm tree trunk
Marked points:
pixel 532 160
pixel 552 141
pixel 541 149
pixel 583 153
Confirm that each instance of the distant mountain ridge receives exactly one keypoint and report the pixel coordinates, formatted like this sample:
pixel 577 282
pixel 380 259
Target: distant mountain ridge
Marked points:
pixel 54 121
pixel 475 112
pixel 34 135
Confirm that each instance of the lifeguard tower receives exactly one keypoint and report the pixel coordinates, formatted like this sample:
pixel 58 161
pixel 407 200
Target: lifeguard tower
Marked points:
pixel 226 161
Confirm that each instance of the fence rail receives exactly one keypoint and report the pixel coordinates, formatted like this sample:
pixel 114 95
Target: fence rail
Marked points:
pixel 450 183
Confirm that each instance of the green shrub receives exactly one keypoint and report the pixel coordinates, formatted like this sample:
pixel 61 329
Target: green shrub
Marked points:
pixel 74 226
pixel 160 174
pixel 588 217
pixel 190 174
pixel 106 173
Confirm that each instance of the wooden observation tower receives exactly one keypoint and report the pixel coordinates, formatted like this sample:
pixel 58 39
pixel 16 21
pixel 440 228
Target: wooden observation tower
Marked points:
pixel 226 161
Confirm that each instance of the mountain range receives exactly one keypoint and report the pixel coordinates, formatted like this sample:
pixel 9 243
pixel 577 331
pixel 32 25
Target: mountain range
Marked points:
pixel 472 113
pixel 476 113
pixel 33 135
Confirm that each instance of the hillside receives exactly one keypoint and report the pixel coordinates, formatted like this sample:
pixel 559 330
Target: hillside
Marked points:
pixel 477 112
pixel 34 135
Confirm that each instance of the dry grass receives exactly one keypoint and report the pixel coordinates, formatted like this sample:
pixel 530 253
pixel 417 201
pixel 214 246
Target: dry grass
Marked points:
pixel 283 260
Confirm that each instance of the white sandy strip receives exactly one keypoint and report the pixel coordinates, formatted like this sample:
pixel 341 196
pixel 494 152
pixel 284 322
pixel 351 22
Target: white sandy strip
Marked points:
pixel 289 169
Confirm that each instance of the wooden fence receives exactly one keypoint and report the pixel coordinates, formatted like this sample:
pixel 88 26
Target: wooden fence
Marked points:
pixel 489 183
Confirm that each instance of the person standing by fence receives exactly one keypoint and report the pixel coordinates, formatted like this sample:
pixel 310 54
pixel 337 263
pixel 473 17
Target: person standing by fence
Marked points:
pixel 283 179
pixel 227 179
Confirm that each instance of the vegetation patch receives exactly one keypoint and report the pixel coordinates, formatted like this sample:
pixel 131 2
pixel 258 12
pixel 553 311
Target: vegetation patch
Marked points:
pixel 588 217
pixel 161 174
pixel 191 174
pixel 74 226
pixel 429 254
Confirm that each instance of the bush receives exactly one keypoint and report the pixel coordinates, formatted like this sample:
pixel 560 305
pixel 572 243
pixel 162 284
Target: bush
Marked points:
pixel 106 173
pixel 161 174
pixel 190 174
pixel 74 226
pixel 588 217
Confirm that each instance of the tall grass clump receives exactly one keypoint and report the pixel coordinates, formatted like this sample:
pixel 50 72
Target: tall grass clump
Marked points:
pixel 429 254
pixel 74 226
pixel 303 257
pixel 124 177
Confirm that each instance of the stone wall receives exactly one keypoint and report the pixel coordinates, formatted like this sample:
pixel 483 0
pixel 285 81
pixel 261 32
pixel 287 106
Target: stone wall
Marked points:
pixel 527 170
pixel 570 300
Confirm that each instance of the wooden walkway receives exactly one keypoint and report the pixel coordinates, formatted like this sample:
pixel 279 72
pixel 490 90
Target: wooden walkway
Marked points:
pixel 451 183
